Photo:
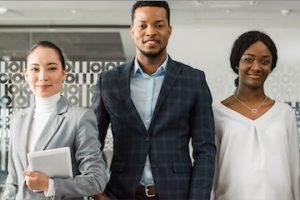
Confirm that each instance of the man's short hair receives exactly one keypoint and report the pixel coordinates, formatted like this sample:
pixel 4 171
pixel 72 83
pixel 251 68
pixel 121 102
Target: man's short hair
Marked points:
pixel 161 4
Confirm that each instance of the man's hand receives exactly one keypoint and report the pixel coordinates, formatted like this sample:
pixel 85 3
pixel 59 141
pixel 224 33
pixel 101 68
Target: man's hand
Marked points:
pixel 101 197
pixel 36 180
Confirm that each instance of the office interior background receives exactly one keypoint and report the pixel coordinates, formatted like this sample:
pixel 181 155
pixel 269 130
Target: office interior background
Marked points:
pixel 94 36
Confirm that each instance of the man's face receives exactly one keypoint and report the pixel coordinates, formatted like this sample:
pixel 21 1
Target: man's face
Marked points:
pixel 150 31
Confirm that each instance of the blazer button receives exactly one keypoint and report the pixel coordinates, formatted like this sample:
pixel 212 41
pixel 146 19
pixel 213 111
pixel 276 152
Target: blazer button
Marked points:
pixel 147 139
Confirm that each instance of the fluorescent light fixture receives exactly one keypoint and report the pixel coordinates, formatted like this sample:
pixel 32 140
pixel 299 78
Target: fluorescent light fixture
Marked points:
pixel 285 11
pixel 224 4
pixel 3 10
pixel 74 12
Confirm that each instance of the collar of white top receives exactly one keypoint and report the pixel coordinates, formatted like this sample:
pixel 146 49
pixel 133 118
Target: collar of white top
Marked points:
pixel 44 104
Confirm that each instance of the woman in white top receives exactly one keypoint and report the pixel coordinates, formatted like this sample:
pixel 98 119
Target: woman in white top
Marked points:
pixel 52 123
pixel 256 136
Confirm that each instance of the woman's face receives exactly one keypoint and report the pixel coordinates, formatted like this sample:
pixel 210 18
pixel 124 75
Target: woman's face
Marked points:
pixel 255 65
pixel 44 72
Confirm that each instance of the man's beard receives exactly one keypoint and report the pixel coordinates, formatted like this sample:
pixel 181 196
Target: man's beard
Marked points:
pixel 152 54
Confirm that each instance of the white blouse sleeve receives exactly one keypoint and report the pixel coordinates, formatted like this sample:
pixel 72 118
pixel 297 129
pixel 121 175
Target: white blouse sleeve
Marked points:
pixel 294 157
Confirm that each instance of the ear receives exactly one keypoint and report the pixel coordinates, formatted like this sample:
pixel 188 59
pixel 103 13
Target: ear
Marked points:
pixel 170 29
pixel 25 74
pixel 131 30
pixel 65 73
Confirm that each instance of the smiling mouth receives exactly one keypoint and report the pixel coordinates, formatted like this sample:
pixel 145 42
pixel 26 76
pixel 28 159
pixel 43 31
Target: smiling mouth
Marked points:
pixel 255 75
pixel 43 86
pixel 151 41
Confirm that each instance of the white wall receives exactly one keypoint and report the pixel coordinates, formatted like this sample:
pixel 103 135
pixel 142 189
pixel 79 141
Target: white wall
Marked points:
pixel 208 49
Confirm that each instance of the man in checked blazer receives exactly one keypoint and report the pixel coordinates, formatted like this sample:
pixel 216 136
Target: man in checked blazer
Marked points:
pixel 156 106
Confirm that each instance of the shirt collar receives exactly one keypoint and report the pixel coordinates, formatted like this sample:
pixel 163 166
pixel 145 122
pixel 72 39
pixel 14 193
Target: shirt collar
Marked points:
pixel 138 70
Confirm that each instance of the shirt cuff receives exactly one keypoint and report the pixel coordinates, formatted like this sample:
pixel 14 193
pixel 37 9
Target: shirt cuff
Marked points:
pixel 51 188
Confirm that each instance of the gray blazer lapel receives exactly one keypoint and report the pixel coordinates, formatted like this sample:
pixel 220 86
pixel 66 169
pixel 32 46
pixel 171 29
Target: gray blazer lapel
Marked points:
pixel 52 125
pixel 124 86
pixel 24 129
pixel 168 82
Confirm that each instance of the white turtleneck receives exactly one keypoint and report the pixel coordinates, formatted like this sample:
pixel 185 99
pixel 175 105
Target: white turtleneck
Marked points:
pixel 44 107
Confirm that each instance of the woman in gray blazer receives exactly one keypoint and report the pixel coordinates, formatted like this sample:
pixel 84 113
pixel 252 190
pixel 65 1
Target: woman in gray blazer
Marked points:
pixel 52 123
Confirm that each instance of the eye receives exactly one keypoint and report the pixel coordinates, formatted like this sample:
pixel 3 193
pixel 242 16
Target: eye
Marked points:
pixel 52 68
pixel 160 25
pixel 266 62
pixel 142 26
pixel 34 69
pixel 248 59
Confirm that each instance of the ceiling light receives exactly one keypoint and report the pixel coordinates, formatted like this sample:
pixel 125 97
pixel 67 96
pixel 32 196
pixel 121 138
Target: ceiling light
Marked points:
pixel 224 4
pixel 197 3
pixel 285 11
pixel 51 29
pixel 251 3
pixel 3 10
pixel 227 11
pixel 74 12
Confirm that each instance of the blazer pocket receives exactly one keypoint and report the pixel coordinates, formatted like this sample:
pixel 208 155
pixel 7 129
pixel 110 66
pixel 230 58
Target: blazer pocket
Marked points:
pixel 182 168
pixel 117 167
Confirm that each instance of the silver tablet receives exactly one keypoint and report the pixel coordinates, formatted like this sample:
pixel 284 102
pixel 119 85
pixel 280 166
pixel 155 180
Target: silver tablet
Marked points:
pixel 55 163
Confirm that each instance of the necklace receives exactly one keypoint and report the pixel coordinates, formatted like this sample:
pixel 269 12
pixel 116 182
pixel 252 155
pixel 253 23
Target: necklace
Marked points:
pixel 253 110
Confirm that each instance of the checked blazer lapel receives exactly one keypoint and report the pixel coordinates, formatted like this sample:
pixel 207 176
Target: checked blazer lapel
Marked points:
pixel 124 90
pixel 168 82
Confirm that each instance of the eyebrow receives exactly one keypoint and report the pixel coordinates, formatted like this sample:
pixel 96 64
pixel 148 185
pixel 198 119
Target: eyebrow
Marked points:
pixel 157 21
pixel 52 63
pixel 33 64
pixel 249 54
pixel 36 64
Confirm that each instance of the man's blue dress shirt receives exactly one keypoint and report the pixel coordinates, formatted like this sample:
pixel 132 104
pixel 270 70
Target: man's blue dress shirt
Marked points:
pixel 144 91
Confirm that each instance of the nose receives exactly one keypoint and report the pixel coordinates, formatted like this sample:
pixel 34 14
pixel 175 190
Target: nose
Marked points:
pixel 151 30
pixel 256 65
pixel 43 75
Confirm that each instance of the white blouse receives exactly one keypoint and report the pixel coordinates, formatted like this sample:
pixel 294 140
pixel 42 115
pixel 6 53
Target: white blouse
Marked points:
pixel 256 159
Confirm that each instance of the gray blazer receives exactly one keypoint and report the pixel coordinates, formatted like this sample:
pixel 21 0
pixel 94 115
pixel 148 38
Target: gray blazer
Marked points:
pixel 72 127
